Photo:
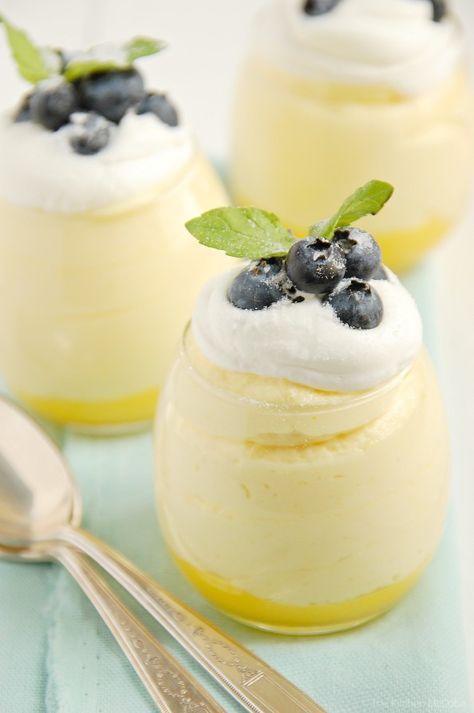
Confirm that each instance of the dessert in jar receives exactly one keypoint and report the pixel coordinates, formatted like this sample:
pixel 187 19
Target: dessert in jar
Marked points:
pixel 97 177
pixel 302 459
pixel 335 91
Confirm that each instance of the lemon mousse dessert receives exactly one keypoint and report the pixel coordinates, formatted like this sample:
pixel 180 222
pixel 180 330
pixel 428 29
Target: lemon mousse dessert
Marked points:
pixel 335 91
pixel 302 461
pixel 97 177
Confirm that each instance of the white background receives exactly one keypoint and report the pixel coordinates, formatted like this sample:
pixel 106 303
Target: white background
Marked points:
pixel 207 40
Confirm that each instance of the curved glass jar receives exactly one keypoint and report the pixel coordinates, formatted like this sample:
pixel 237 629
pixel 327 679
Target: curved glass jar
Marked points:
pixel 313 131
pixel 92 305
pixel 294 510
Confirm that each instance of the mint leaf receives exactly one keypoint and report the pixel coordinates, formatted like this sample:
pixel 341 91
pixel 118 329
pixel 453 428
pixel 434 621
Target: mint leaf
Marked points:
pixel 104 58
pixel 34 63
pixel 242 232
pixel 30 59
pixel 367 200
pixel 142 47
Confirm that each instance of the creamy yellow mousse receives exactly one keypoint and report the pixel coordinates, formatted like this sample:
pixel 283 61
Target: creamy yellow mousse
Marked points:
pixel 324 103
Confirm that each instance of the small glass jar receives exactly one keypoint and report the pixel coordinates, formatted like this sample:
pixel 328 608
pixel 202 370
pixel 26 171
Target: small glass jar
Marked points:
pixel 92 304
pixel 300 142
pixel 294 510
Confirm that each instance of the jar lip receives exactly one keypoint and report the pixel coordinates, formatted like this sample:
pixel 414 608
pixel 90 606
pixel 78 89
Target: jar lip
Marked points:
pixel 348 400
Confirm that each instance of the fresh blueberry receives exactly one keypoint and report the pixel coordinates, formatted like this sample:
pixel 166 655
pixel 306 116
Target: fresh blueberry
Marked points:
pixel 52 104
pixel 380 274
pixel 111 94
pixel 23 113
pixel 89 133
pixel 160 106
pixel 319 7
pixel 361 250
pixel 259 285
pixel 439 10
pixel 356 304
pixel 315 265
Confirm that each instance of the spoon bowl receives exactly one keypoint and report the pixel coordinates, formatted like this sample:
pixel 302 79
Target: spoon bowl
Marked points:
pixel 38 496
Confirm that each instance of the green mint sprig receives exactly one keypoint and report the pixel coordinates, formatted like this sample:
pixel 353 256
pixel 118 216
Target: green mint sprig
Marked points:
pixel 242 232
pixel 34 62
pixel 253 234
pixel 367 200
pixel 91 62
pixel 30 59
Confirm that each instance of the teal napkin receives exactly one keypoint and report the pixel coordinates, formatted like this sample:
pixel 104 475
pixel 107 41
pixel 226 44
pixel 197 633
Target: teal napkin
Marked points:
pixel 56 656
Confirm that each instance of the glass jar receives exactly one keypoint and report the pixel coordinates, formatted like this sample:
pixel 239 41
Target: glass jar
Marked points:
pixel 299 144
pixel 92 305
pixel 294 510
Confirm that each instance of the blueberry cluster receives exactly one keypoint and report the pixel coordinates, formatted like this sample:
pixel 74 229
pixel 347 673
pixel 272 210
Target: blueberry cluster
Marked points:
pixel 103 98
pixel 336 271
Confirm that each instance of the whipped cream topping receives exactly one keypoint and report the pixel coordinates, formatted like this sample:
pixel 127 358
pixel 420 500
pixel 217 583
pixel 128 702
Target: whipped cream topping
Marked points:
pixel 305 342
pixel 391 43
pixel 38 168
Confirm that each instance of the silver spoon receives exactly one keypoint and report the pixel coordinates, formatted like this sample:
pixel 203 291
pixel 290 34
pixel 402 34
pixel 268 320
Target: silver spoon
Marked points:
pixel 23 450
pixel 39 512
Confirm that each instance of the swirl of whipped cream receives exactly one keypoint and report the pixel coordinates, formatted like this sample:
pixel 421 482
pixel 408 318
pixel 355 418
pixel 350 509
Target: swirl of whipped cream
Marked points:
pixel 305 342
pixel 38 168
pixel 391 43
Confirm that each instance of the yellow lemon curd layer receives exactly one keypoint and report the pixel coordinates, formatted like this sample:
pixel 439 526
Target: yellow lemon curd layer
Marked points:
pixel 92 305
pixel 134 409
pixel 286 618
pixel 299 145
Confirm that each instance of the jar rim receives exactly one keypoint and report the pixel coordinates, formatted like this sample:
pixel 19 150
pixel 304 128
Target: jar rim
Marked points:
pixel 343 400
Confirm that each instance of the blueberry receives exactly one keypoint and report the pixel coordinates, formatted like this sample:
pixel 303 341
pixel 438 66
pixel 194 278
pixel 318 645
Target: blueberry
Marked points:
pixel 160 106
pixel 89 134
pixel 356 304
pixel 319 7
pixel 52 104
pixel 439 10
pixel 380 274
pixel 361 250
pixel 259 285
pixel 111 94
pixel 23 113
pixel 315 265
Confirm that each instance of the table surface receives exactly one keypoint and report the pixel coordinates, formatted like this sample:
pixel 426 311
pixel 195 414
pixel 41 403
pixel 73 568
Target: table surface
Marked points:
pixel 200 32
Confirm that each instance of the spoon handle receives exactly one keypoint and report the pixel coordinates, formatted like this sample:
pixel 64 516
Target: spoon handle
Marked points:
pixel 171 687
pixel 257 687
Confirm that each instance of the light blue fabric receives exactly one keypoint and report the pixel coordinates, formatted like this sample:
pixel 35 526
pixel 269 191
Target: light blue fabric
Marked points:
pixel 56 656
